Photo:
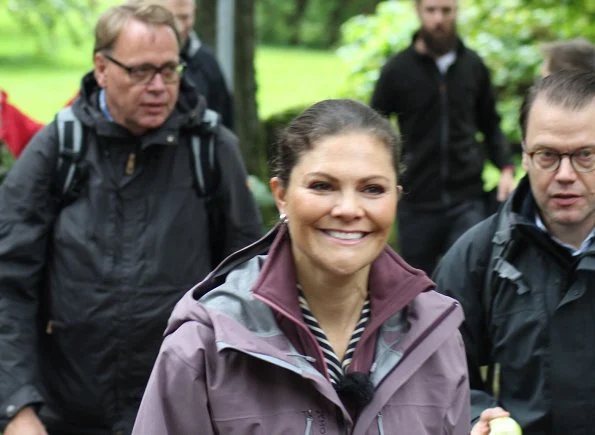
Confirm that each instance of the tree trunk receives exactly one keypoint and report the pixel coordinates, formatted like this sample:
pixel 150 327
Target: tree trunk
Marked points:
pixel 294 21
pixel 206 21
pixel 247 125
pixel 341 11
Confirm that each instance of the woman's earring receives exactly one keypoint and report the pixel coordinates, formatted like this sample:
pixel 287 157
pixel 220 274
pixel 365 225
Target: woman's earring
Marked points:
pixel 283 218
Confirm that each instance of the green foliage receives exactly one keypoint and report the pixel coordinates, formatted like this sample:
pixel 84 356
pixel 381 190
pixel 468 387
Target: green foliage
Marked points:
pixel 505 33
pixel 370 39
pixel 310 23
pixel 290 77
pixel 271 128
pixel 274 124
pixel 52 21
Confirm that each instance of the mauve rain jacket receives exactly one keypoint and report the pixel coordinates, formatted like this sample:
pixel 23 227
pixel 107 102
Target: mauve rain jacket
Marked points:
pixel 226 366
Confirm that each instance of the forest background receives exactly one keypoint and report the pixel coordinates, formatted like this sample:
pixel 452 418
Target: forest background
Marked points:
pixel 289 54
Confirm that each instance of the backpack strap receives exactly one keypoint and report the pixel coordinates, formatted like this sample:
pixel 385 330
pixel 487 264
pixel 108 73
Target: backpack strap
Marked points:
pixel 203 148
pixel 71 151
pixel 207 175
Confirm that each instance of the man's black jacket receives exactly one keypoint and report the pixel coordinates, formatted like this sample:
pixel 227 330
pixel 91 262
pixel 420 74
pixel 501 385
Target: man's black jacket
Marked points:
pixel 86 289
pixel 536 321
pixel 439 119
pixel 203 70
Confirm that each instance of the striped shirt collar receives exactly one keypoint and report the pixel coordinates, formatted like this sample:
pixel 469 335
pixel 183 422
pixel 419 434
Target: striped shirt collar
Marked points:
pixel 336 368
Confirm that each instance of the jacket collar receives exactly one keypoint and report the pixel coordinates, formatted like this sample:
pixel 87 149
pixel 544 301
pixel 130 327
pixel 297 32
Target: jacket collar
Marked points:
pixel 234 311
pixel 521 210
pixel 392 284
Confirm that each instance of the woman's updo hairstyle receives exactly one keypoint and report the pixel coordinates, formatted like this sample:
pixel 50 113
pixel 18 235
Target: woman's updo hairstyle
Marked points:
pixel 330 118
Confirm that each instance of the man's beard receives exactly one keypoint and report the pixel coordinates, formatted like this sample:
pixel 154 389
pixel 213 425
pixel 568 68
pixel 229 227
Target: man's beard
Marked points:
pixel 441 45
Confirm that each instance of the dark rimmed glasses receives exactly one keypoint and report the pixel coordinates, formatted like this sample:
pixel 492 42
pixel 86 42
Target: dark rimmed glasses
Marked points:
pixel 582 160
pixel 144 74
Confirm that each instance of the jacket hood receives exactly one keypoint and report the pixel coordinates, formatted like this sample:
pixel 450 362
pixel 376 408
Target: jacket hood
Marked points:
pixel 393 284
pixel 187 113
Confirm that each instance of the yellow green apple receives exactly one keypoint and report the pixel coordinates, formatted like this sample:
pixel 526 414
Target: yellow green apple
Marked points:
pixel 504 426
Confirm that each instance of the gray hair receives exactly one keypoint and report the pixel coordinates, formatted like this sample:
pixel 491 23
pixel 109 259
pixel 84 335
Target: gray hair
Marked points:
pixel 110 24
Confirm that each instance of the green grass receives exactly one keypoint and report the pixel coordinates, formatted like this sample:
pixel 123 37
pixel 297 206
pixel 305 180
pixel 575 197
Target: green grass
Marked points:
pixel 41 85
pixel 294 77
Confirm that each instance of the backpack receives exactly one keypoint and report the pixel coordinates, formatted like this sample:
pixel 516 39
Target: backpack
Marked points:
pixel 72 170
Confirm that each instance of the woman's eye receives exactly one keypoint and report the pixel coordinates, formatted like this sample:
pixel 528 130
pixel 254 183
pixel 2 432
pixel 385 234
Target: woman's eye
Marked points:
pixel 320 186
pixel 375 189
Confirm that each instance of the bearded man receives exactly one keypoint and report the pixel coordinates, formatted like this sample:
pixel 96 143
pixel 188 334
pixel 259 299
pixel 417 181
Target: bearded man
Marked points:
pixel 441 94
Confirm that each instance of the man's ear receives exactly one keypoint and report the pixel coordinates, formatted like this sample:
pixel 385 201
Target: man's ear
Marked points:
pixel 278 191
pixel 100 71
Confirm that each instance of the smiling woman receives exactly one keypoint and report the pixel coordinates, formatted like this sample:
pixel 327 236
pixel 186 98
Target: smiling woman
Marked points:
pixel 341 333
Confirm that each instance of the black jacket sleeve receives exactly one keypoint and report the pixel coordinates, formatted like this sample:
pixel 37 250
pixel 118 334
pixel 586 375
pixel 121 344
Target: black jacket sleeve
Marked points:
pixel 27 212
pixel 461 275
pixel 240 215
pixel 488 121
pixel 385 97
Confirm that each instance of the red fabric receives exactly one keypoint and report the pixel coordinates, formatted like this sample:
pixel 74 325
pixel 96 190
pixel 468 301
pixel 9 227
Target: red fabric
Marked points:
pixel 16 128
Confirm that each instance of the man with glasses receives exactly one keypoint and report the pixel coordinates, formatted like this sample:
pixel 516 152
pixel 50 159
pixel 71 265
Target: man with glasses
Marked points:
pixel 526 276
pixel 87 286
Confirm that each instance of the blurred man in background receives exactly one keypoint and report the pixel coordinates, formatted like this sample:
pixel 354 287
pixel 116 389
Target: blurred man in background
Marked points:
pixel 440 92
pixel 202 67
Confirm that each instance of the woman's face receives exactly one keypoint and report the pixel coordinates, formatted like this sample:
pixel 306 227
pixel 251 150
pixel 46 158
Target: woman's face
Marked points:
pixel 340 202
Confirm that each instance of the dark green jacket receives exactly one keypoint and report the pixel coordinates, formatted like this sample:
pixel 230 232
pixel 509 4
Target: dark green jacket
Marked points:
pixel 540 326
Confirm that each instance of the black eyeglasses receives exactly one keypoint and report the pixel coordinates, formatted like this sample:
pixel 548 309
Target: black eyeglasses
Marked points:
pixel 144 74
pixel 582 160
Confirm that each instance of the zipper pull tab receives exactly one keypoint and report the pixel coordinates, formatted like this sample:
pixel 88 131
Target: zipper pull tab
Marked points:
pixel 130 164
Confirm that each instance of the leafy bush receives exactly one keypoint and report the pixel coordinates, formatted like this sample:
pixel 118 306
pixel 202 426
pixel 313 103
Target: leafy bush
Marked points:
pixel 274 124
pixel 271 128
pixel 54 21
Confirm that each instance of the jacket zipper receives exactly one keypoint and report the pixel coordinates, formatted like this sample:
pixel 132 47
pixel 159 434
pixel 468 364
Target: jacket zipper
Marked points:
pixel 380 425
pixel 308 423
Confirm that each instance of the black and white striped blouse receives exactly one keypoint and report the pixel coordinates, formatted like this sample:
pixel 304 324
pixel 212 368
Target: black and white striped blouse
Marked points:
pixel 336 368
